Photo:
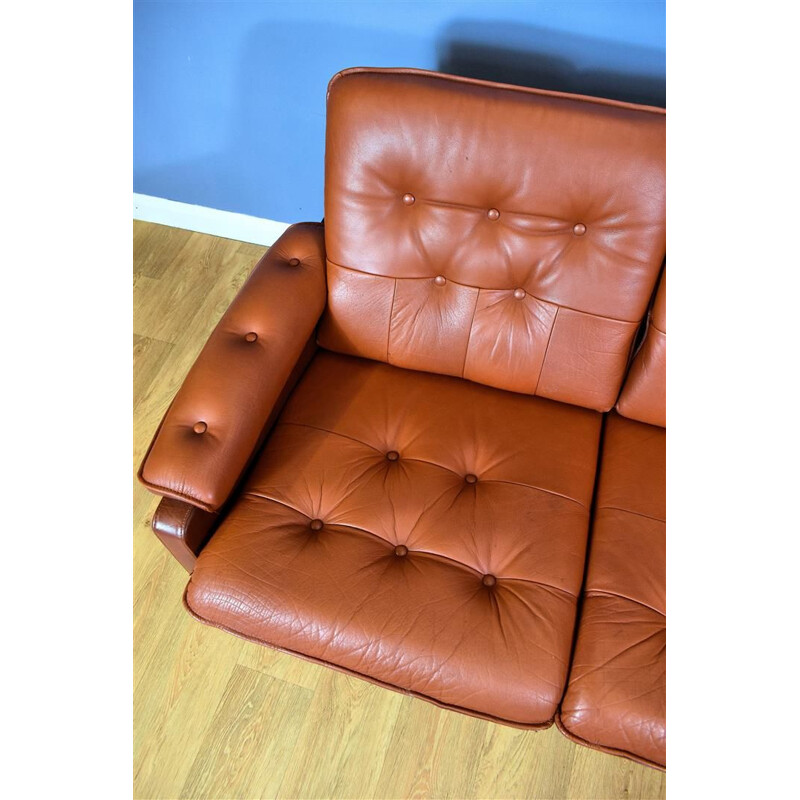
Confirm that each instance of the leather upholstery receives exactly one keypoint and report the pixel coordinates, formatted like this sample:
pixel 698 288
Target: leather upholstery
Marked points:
pixel 400 523
pixel 220 413
pixel 393 526
pixel 183 529
pixel 616 695
pixel 645 391
pixel 504 235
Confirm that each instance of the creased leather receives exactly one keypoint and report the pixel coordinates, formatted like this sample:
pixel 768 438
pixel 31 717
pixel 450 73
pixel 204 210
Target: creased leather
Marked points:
pixel 424 621
pixel 420 519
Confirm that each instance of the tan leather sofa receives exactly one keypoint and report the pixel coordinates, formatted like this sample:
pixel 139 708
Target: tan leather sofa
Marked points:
pixel 397 454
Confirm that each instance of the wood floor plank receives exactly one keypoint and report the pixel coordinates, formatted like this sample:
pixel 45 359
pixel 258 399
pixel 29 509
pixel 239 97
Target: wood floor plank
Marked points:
pixel 250 739
pixel 149 355
pixel 281 665
pixel 348 729
pixel 432 753
pixel 154 247
pixel 219 717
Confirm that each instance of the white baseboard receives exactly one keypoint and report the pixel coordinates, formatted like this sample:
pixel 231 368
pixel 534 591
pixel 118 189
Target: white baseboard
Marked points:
pixel 227 224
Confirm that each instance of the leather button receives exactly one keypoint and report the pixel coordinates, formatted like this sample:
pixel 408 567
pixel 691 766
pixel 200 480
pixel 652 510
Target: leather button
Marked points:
pixel 251 337
pixel 293 262
pixel 401 550
pixel 579 229
pixel 393 455
pixel 489 580
pixel 408 199
pixel 471 478
pixel 519 294
pixel 493 214
pixel 440 280
pixel 316 525
pixel 200 427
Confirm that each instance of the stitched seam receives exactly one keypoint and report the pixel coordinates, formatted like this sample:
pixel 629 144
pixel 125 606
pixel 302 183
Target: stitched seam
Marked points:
pixel 434 464
pixel 432 201
pixel 333 433
pixel 391 316
pixel 487 289
pixel 471 323
pixel 617 596
pixel 628 511
pixel 547 347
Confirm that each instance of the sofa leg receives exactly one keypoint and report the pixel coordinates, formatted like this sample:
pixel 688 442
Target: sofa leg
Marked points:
pixel 183 529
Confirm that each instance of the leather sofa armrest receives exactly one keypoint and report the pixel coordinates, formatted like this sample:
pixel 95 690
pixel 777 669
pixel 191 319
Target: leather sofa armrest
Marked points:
pixel 644 392
pixel 246 369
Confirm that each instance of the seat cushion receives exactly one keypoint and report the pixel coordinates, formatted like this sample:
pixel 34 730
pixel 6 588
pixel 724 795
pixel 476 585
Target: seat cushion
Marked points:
pixel 616 697
pixel 418 530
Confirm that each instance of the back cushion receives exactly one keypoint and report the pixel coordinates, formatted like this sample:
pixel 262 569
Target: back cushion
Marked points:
pixel 508 236
pixel 644 395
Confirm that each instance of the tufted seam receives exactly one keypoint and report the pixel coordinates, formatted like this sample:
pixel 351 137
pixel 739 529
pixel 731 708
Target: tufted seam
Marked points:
pixel 333 433
pixel 482 210
pixel 469 336
pixel 606 593
pixel 488 289
pixel 628 511
pixel 391 314
pixel 547 347
pixel 434 464
pixel 412 552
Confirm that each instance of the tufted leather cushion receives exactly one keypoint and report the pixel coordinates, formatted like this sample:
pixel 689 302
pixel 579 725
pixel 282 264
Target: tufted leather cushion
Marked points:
pixel 419 530
pixel 248 366
pixel 509 236
pixel 644 395
pixel 616 696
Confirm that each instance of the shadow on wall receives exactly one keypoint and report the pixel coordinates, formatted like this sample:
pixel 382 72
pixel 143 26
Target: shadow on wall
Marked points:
pixel 272 161
pixel 544 59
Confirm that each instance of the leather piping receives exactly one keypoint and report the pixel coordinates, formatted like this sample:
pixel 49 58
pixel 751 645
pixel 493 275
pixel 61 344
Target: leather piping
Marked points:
pixel 602 748
pixel 601 101
pixel 532 726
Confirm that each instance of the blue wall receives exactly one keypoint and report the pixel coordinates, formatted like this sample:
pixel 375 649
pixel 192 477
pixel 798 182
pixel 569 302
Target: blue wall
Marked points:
pixel 229 97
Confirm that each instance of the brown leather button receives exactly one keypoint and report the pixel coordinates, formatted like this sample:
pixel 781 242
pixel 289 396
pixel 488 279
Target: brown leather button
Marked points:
pixel 440 280
pixel 493 214
pixel 316 525
pixel 579 229
pixel 200 427
pixel 408 199
pixel 293 262
pixel 401 550
pixel 489 580
pixel 393 455
pixel 519 294
pixel 471 478
pixel 251 337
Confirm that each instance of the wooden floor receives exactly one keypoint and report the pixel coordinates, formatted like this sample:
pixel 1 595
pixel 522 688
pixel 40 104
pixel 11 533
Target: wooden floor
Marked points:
pixel 218 717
